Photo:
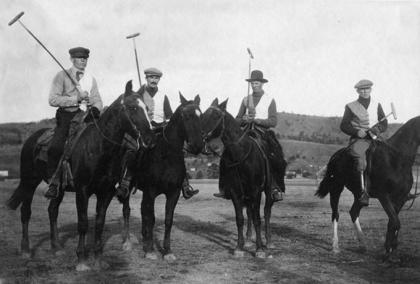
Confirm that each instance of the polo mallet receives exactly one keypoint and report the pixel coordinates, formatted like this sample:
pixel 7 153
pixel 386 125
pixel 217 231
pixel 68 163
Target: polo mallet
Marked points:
pixel 17 19
pixel 133 36
pixel 251 56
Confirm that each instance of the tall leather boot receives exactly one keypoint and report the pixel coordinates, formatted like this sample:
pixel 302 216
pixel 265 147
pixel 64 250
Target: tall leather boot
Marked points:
pixel 364 197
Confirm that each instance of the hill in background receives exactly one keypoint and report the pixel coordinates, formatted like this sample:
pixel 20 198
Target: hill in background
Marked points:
pixel 308 141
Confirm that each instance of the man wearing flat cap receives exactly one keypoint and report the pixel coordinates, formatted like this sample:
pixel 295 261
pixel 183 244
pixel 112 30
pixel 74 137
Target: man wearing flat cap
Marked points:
pixel 359 122
pixel 69 89
pixel 258 111
pixel 159 112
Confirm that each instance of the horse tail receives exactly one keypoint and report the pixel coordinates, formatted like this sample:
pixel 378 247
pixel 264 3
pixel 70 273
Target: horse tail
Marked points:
pixel 29 174
pixel 330 181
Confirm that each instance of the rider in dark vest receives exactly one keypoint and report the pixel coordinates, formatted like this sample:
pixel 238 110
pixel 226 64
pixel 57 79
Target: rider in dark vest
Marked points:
pixel 358 122
pixel 260 110
pixel 68 98
pixel 159 112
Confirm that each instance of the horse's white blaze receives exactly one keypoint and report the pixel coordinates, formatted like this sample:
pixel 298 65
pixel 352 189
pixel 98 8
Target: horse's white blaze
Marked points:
pixel 335 236
pixel 197 113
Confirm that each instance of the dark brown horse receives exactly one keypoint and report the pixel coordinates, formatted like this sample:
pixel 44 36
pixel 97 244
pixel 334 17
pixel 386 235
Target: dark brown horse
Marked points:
pixel 390 180
pixel 95 165
pixel 248 172
pixel 161 170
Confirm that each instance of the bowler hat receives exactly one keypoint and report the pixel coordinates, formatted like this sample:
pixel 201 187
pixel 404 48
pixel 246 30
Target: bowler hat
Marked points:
pixel 153 72
pixel 363 84
pixel 79 52
pixel 257 75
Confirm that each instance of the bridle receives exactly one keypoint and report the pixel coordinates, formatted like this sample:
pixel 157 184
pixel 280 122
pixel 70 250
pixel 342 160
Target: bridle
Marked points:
pixel 220 122
pixel 131 123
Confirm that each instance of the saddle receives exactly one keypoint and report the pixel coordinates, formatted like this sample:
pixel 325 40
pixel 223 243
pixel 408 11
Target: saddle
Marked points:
pixel 77 126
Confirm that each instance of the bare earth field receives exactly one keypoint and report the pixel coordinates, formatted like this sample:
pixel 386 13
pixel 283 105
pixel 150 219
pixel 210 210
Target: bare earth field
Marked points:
pixel 203 239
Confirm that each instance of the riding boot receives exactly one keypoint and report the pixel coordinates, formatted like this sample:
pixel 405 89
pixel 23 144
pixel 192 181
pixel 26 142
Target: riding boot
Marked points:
pixel 364 197
pixel 123 189
pixel 187 190
pixel 222 191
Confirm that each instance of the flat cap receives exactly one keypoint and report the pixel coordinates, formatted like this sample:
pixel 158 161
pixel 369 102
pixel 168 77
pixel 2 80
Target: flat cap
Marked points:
pixel 79 52
pixel 153 72
pixel 363 84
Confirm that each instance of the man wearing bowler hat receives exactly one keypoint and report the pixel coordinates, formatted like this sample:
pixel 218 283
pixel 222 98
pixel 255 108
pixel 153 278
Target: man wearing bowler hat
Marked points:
pixel 159 112
pixel 67 95
pixel 359 122
pixel 258 110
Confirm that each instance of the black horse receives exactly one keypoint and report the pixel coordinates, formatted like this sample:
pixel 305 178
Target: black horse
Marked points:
pixel 161 170
pixel 95 166
pixel 248 172
pixel 389 175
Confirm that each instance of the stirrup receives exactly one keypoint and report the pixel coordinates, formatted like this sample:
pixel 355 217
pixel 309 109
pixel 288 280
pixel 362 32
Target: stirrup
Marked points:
pixel 276 194
pixel 188 191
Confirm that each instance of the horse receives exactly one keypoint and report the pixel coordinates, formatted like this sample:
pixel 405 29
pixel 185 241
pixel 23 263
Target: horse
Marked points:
pixel 248 172
pixel 389 180
pixel 95 167
pixel 161 170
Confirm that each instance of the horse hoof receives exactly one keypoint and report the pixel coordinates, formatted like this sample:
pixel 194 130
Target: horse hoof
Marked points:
pixel 169 257
pixel 238 253
pixel 260 254
pixel 26 255
pixel 101 265
pixel 82 267
pixel 336 249
pixel 270 256
pixel 151 256
pixel 127 246
pixel 248 244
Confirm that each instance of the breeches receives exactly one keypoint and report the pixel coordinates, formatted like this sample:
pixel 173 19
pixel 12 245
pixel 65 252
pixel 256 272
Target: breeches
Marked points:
pixel 358 152
pixel 59 138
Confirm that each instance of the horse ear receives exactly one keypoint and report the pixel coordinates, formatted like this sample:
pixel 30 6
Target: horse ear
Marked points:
pixel 197 100
pixel 128 88
pixel 215 102
pixel 223 104
pixel 181 97
pixel 167 110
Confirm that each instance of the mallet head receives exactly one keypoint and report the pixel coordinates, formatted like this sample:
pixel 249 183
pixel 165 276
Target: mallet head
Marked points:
pixel 394 112
pixel 250 53
pixel 133 35
pixel 16 18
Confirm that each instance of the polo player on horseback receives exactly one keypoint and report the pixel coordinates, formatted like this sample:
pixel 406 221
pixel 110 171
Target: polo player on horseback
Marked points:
pixel 159 112
pixel 68 97
pixel 258 111
pixel 358 124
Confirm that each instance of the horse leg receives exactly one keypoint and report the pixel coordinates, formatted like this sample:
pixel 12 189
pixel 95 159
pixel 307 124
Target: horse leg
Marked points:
pixel 394 225
pixel 267 216
pixel 102 204
pixel 354 214
pixel 248 235
pixel 256 218
pixel 239 250
pixel 82 202
pixel 53 214
pixel 127 245
pixel 148 222
pixel 334 199
pixel 171 202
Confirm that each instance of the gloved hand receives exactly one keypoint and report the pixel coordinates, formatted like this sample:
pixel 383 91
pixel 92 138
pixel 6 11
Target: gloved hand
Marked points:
pixel 361 133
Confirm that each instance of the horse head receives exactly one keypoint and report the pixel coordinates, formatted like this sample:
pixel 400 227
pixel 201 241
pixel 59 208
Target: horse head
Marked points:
pixel 190 114
pixel 134 117
pixel 213 120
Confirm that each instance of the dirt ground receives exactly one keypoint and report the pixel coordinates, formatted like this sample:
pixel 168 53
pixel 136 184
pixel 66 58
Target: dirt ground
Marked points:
pixel 203 239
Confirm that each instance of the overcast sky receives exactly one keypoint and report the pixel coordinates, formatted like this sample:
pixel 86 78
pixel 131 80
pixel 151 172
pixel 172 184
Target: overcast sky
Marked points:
pixel 312 52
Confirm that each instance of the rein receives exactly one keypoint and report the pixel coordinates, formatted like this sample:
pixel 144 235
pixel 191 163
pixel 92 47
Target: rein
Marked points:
pixel 111 140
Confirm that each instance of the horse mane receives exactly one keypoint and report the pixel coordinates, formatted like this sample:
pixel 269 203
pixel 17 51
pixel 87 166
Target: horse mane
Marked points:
pixel 407 138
